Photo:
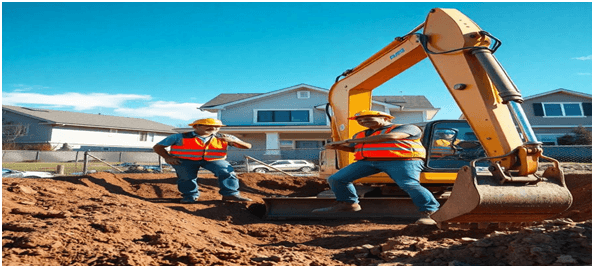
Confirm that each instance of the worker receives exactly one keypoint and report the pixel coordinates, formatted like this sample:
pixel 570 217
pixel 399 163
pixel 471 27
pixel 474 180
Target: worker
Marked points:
pixel 204 147
pixel 383 147
pixel 443 145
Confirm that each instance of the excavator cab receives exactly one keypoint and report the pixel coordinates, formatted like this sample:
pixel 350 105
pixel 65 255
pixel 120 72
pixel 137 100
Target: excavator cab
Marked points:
pixel 451 144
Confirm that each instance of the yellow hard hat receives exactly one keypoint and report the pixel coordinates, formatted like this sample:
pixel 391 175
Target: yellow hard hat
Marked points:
pixel 207 122
pixel 370 113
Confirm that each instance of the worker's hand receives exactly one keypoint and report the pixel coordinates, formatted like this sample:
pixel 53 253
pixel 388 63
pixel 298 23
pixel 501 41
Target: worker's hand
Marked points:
pixel 172 160
pixel 335 145
pixel 227 138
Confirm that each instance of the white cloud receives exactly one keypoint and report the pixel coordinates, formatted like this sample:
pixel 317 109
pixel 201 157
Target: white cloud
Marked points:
pixel 186 111
pixel 583 58
pixel 77 101
pixel 176 112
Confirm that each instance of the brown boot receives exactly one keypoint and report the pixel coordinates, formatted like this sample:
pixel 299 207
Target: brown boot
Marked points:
pixel 338 207
pixel 426 219
pixel 238 198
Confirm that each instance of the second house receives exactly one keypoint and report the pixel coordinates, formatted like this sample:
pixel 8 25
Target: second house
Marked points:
pixel 291 123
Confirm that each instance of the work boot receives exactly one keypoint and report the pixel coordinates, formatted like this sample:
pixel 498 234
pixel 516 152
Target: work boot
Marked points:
pixel 338 207
pixel 236 198
pixel 189 200
pixel 426 219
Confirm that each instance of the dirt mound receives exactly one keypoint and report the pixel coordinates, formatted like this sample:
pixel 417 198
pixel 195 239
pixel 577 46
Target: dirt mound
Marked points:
pixel 136 219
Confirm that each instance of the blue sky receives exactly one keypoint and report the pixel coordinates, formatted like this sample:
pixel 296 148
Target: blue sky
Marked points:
pixel 160 61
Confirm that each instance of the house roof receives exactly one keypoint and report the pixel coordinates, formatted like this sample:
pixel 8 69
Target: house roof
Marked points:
pixel 90 120
pixel 230 99
pixel 560 90
pixel 408 102
pixel 227 98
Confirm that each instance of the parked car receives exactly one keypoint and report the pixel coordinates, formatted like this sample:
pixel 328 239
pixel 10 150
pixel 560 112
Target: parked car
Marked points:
pixel 284 165
pixel 126 164
pixel 10 173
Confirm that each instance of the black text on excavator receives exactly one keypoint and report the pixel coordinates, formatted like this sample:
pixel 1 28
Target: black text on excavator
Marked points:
pixel 486 173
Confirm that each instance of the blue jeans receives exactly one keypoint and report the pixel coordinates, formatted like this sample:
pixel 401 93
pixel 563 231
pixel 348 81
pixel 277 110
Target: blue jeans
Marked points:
pixel 187 180
pixel 405 173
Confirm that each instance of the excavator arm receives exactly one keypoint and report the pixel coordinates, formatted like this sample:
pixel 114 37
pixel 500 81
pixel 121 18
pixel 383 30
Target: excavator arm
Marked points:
pixel 446 31
pixel 462 55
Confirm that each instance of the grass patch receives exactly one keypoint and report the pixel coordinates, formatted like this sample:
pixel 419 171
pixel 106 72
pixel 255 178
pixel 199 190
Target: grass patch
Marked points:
pixel 52 167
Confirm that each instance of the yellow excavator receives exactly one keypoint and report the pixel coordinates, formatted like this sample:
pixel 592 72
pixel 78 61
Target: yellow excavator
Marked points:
pixel 488 172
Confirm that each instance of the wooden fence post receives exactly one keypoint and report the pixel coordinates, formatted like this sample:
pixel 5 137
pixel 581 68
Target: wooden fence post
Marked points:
pixel 85 162
pixel 60 170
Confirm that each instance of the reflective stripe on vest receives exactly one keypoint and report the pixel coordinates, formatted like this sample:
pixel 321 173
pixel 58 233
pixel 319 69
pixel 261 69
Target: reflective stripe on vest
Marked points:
pixel 193 148
pixel 403 148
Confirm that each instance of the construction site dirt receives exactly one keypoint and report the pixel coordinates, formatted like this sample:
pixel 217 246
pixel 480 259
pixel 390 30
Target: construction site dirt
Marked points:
pixel 137 220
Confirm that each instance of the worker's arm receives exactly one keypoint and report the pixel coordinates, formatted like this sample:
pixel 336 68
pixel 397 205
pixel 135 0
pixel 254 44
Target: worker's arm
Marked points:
pixel 235 142
pixel 169 159
pixel 340 145
pixel 345 144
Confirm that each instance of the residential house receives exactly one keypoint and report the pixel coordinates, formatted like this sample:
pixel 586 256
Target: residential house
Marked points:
pixel 81 131
pixel 556 113
pixel 291 123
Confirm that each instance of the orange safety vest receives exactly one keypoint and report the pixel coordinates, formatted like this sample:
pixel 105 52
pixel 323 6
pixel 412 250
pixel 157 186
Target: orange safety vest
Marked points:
pixel 403 148
pixel 194 148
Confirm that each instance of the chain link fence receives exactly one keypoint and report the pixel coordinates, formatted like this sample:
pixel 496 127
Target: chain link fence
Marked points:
pixel 139 162
pixel 569 153
pixel 151 161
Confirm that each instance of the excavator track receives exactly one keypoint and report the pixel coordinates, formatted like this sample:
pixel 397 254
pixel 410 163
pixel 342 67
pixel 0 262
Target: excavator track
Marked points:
pixel 287 208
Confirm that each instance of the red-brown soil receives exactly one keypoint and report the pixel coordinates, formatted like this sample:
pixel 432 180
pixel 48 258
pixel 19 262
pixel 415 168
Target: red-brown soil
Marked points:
pixel 137 220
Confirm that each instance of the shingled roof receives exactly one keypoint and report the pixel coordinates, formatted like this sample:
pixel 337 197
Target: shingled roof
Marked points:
pixel 227 98
pixel 90 120
pixel 409 102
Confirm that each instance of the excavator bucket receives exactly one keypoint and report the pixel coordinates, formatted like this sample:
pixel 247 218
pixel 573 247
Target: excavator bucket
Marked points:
pixel 481 198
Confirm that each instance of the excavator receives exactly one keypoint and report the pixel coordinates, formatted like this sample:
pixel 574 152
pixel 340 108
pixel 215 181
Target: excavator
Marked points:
pixel 486 173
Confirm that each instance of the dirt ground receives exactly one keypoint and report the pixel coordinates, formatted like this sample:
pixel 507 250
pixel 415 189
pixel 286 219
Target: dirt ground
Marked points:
pixel 137 220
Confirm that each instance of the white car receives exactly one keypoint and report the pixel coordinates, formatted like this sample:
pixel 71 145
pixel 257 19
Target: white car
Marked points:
pixel 284 165
pixel 9 173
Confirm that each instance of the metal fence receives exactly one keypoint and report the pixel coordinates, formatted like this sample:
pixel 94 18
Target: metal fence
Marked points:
pixel 572 153
pixel 569 153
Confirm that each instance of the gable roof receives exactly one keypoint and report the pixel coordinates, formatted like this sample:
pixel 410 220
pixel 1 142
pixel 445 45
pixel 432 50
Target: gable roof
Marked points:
pixel 90 120
pixel 408 102
pixel 222 100
pixel 227 98
pixel 560 90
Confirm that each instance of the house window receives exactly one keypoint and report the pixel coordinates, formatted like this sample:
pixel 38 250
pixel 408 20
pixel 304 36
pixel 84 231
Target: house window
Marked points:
pixel 303 94
pixel 308 144
pixel 548 139
pixel 297 116
pixel 286 143
pixel 143 136
pixel 562 109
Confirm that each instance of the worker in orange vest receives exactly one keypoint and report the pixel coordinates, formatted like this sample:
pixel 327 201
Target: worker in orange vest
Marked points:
pixel 443 146
pixel 204 147
pixel 384 147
